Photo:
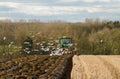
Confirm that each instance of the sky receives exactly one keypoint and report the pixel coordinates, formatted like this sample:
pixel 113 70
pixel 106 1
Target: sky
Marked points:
pixel 63 10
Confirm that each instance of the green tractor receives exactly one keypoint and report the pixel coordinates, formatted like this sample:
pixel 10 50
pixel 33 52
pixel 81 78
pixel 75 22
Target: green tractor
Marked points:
pixel 66 43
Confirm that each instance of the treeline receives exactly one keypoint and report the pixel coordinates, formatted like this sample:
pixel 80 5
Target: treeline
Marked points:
pixel 90 37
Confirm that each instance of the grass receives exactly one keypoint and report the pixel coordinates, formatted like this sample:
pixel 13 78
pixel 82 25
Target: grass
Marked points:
pixel 8 50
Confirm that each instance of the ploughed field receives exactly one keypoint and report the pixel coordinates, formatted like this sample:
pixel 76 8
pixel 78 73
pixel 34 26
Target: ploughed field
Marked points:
pixel 96 67
pixel 35 67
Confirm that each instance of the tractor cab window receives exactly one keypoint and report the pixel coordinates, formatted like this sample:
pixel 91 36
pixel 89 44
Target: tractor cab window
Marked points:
pixel 64 42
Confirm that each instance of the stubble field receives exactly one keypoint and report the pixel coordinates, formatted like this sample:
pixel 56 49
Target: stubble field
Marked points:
pixel 96 67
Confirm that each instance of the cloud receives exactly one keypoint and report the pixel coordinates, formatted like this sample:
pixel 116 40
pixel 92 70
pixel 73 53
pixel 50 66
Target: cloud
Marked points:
pixel 36 10
pixel 47 10
pixel 87 1
pixel 4 18
pixel 9 4
pixel 64 1
pixel 44 9
pixel 91 1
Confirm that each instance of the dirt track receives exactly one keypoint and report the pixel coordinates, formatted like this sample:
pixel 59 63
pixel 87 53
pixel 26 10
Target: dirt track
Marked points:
pixel 96 67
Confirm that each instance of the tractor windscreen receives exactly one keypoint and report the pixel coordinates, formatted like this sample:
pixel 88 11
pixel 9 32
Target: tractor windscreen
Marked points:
pixel 65 42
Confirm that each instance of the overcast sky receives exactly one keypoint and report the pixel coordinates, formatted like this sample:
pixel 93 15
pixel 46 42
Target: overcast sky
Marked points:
pixel 65 10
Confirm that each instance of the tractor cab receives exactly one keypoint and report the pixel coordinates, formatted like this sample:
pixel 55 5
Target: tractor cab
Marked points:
pixel 65 42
